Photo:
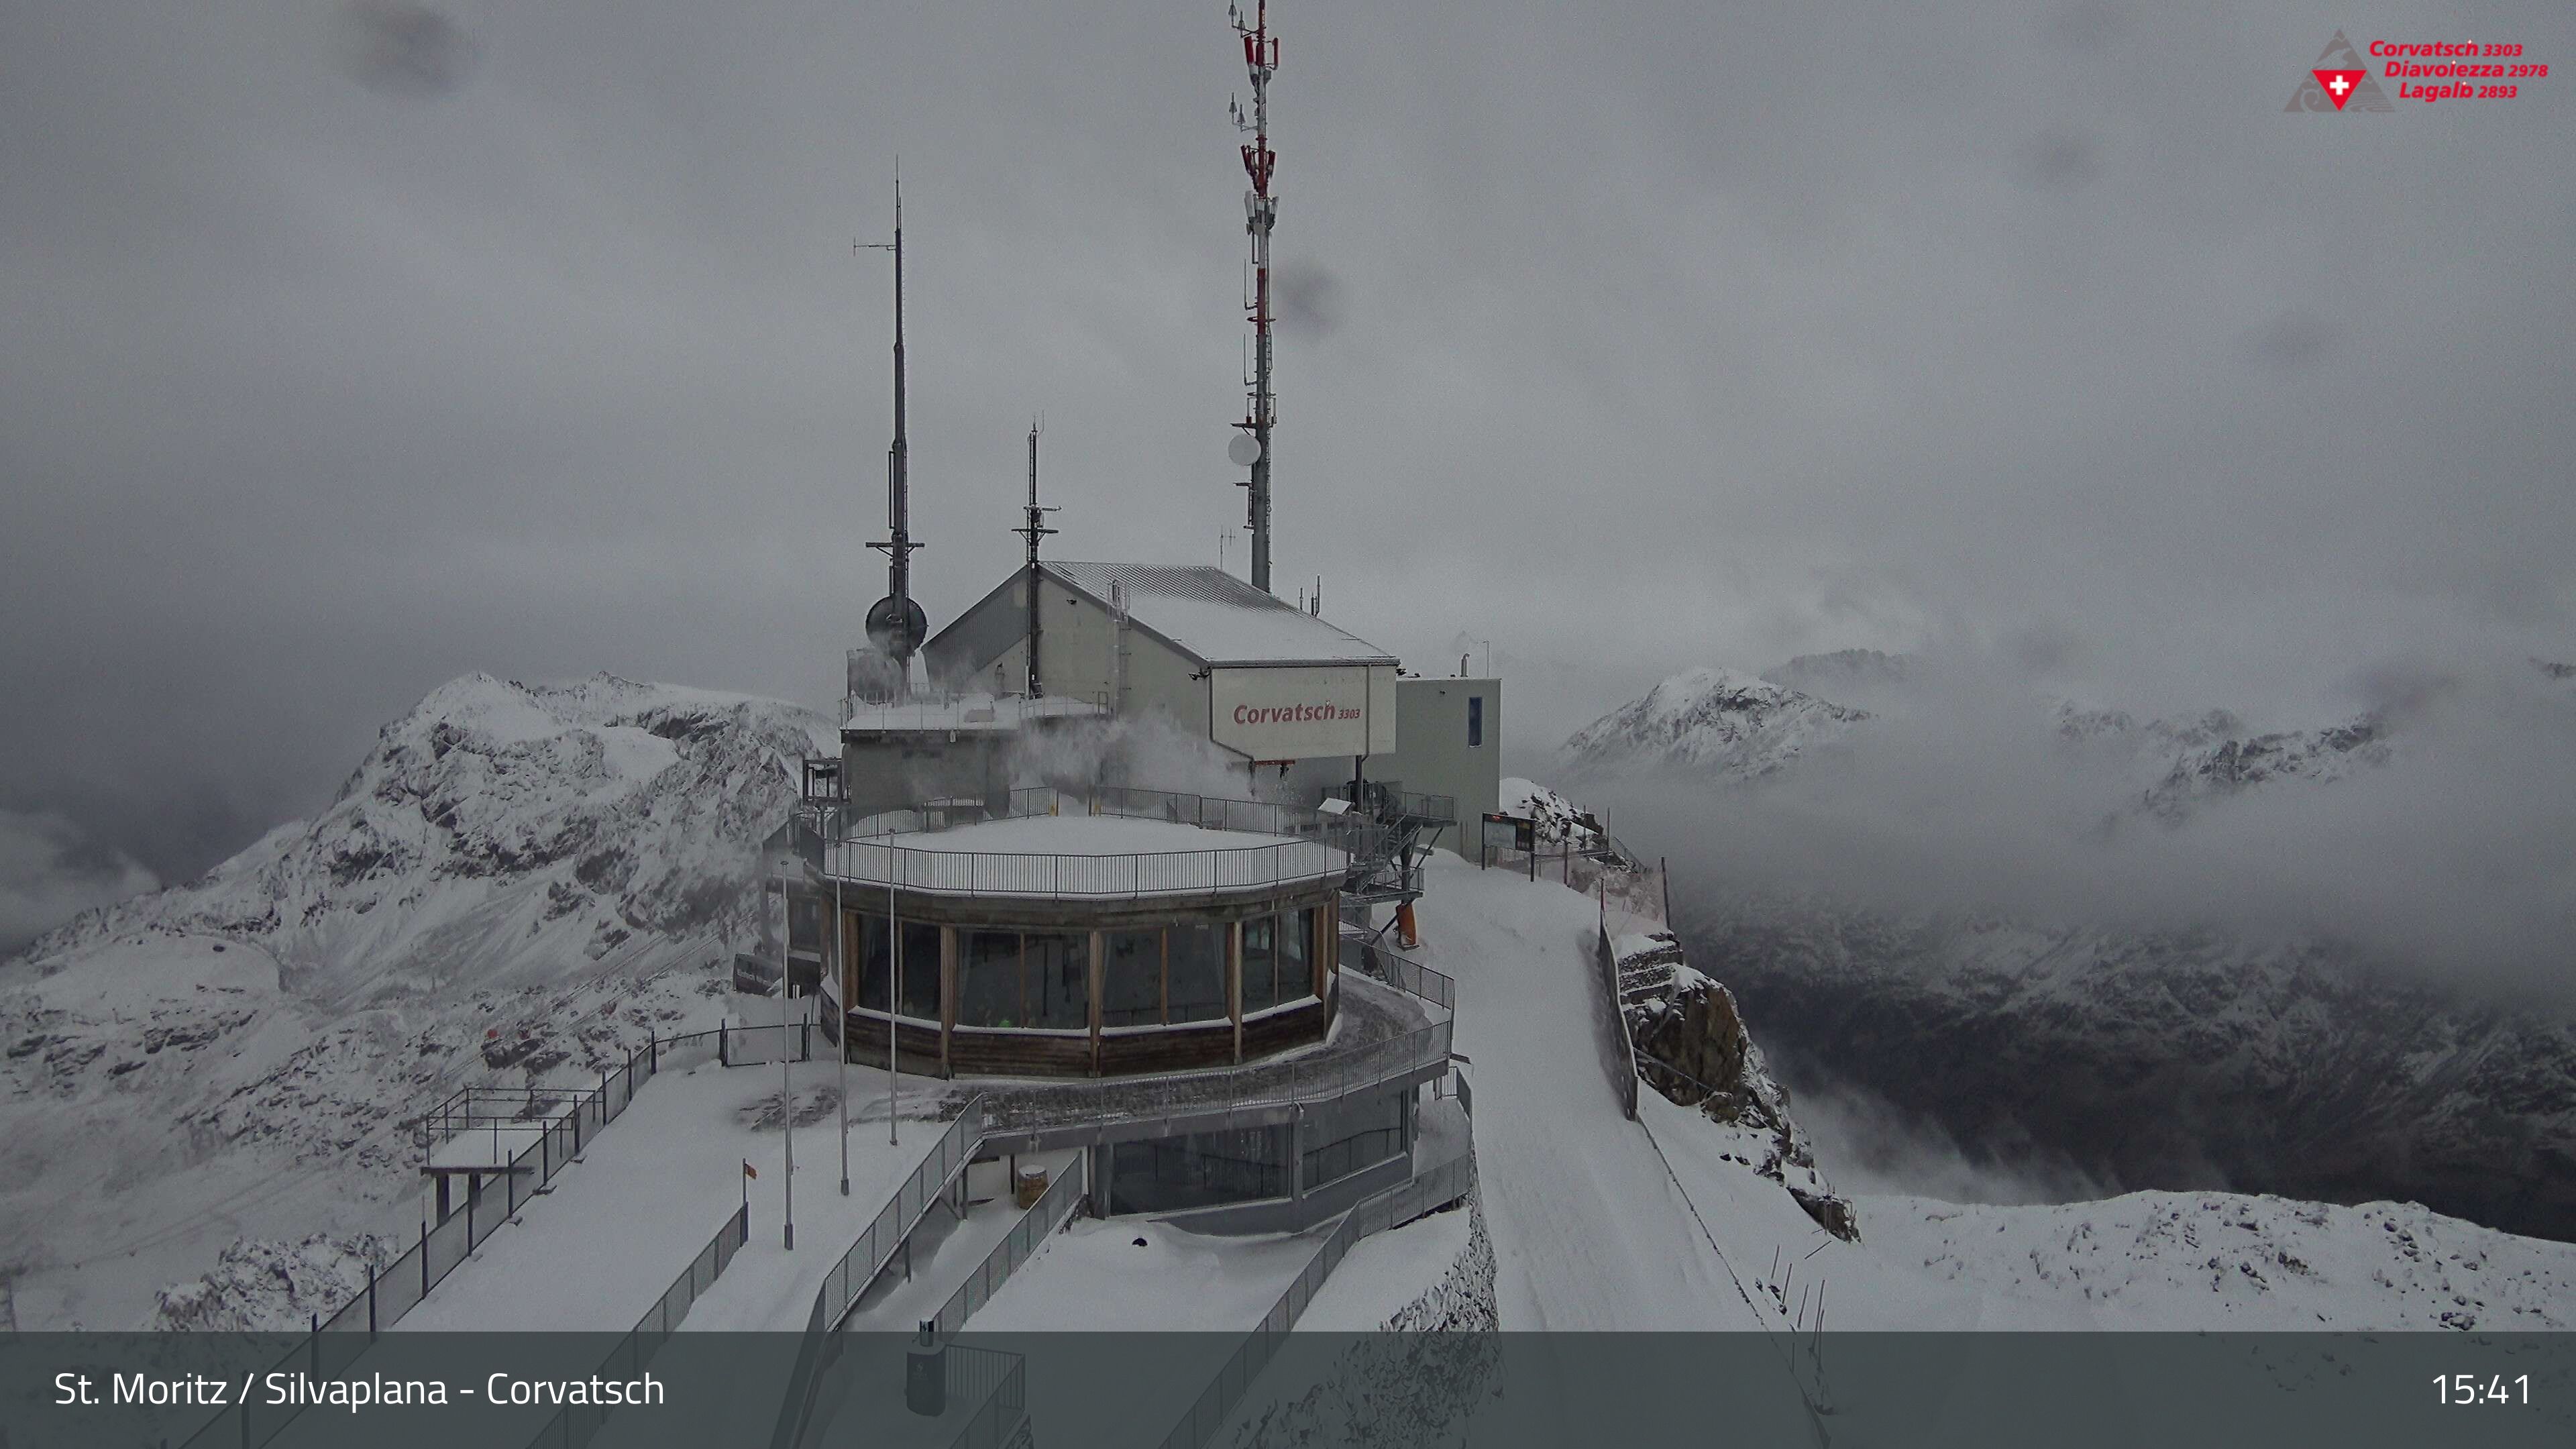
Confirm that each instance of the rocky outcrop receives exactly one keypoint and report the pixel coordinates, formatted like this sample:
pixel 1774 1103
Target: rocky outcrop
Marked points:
pixel 1692 1047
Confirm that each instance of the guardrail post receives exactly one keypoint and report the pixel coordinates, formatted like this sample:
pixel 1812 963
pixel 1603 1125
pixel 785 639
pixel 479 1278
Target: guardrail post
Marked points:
pixel 424 1257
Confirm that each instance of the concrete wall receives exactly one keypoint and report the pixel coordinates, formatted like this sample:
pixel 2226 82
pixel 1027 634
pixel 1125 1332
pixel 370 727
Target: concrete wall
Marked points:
pixel 1431 750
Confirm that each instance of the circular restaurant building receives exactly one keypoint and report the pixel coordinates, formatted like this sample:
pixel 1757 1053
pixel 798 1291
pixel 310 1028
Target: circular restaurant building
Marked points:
pixel 1087 937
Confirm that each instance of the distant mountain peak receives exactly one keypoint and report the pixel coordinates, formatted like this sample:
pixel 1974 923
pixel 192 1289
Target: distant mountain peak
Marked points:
pixel 1710 718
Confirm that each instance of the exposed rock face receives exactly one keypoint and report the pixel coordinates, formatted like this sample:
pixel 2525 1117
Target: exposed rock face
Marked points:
pixel 1693 1048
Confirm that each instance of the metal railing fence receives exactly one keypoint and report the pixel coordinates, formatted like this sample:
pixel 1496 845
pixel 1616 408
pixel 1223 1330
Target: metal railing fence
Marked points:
pixel 1309 1081
pixel 1385 963
pixel 1058 876
pixel 874 1247
pixel 1062 1199
pixel 563 1121
pixel 994 1381
pixel 1392 1208
pixel 574 1424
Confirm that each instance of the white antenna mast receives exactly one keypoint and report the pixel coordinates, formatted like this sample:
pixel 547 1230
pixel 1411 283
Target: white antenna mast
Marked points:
pixel 1260 215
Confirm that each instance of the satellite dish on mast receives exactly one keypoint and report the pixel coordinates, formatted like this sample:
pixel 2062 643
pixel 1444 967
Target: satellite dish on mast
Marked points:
pixel 897 635
pixel 1244 450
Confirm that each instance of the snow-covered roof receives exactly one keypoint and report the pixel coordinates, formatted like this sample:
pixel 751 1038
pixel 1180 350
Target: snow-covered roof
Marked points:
pixel 1216 618
pixel 1079 835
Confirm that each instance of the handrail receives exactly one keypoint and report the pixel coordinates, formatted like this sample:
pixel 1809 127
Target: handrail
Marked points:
pixel 1385 963
pixel 574 1424
pixel 1375 1214
pixel 1062 1199
pixel 1060 875
pixel 881 1238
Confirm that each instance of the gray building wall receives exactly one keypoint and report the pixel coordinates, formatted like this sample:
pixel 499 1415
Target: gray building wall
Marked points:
pixel 1075 645
pixel 1432 753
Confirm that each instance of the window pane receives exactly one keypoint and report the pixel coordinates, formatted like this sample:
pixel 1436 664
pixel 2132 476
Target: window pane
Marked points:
pixel 876 958
pixel 1296 955
pixel 1342 1139
pixel 921 971
pixel 1198 972
pixel 1260 964
pixel 1059 981
pixel 1132 984
pixel 1199 1170
pixel 1475 721
pixel 988 985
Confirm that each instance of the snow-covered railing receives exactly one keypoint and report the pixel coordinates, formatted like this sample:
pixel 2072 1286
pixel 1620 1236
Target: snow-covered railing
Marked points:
pixel 867 1257
pixel 1056 1206
pixel 998 873
pixel 557 1124
pixel 1384 963
pixel 1394 1207
pixel 574 1424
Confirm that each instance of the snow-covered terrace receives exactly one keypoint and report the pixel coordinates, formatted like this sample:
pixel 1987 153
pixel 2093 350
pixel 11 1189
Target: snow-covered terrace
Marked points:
pixel 1053 856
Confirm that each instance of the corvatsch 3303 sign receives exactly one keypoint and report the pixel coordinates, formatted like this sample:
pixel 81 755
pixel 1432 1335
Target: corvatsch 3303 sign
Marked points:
pixel 1303 712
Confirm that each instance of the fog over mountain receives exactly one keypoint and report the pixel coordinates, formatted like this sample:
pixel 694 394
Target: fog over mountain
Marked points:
pixel 2067 940
pixel 350 349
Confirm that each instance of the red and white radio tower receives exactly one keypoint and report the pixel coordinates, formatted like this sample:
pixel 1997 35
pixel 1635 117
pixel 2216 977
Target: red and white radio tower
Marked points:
pixel 1260 215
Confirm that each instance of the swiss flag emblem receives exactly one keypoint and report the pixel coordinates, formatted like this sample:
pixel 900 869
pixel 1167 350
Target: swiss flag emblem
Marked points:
pixel 2339 84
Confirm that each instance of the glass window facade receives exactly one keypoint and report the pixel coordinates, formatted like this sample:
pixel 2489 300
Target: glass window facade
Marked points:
pixel 1203 1169
pixel 1055 981
pixel 988 979
pixel 1296 955
pixel 1347 1137
pixel 1166 975
pixel 1131 978
pixel 921 971
pixel 1260 964
pixel 1197 972
pixel 870 949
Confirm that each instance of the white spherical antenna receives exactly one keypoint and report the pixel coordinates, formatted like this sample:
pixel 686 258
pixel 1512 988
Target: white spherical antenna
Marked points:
pixel 1244 450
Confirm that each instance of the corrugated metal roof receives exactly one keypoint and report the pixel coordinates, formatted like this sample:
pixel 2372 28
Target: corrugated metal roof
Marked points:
pixel 1217 618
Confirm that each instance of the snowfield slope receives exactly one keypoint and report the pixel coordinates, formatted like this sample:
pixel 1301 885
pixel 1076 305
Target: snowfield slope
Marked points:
pixel 517 883
pixel 1599 1222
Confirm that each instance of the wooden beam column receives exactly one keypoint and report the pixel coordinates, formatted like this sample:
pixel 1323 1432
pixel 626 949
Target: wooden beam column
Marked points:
pixel 1098 974
pixel 947 994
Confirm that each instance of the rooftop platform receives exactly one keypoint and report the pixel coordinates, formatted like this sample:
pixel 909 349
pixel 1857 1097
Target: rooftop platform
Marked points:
pixel 1117 844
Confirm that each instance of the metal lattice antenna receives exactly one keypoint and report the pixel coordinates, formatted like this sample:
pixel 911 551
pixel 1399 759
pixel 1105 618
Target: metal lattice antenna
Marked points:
pixel 1034 530
pixel 1260 216
pixel 897 625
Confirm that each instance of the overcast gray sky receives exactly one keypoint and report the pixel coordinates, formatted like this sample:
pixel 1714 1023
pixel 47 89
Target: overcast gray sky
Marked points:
pixel 336 361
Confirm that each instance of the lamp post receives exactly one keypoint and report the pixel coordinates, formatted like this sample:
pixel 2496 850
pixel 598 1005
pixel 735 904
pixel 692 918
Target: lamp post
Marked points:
pixel 786 1079
pixel 894 997
pixel 841 1031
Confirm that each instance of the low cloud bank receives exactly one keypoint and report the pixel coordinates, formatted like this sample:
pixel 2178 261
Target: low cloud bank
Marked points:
pixel 50 872
pixel 2456 858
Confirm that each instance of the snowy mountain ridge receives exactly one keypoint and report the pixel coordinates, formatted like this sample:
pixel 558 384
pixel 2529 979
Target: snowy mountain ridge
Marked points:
pixel 1710 719
pixel 496 831
pixel 518 880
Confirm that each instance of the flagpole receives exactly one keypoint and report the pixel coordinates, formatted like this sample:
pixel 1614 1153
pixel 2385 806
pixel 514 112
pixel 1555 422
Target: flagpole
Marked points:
pixel 786 1082
pixel 841 1030
pixel 894 991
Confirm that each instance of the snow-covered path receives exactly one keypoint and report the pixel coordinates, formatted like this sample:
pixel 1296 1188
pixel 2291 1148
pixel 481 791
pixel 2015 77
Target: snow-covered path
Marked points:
pixel 1589 1231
